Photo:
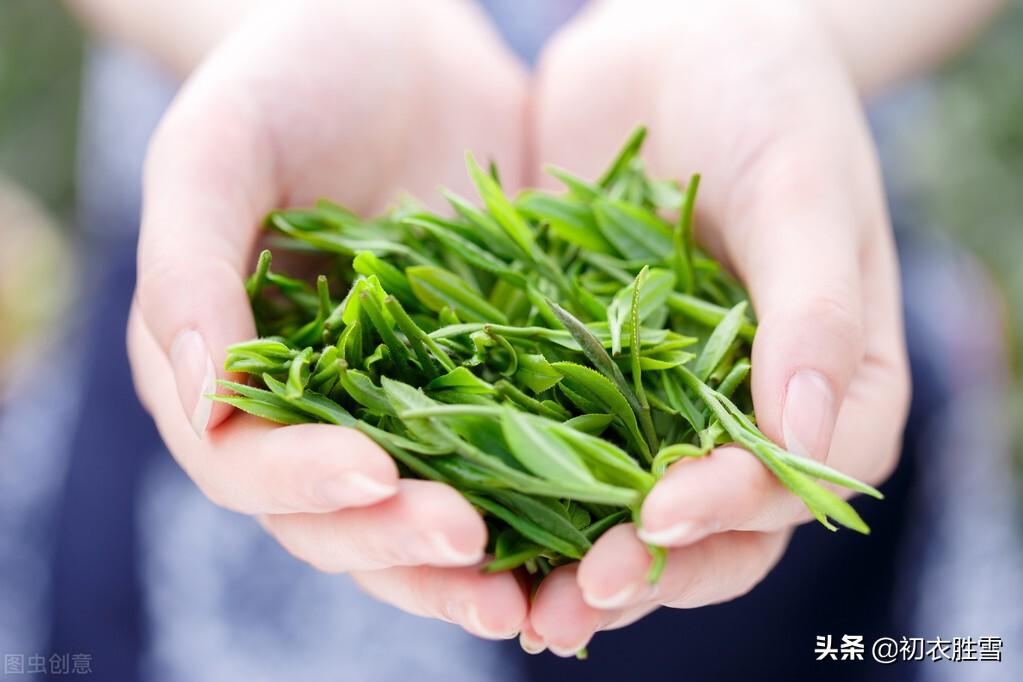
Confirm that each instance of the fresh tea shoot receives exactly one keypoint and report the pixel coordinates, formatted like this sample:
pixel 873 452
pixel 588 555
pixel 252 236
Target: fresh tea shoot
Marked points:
pixel 548 355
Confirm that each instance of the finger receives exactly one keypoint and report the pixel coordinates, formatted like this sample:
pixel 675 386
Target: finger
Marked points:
pixel 425 523
pixel 560 616
pixel 563 619
pixel 492 606
pixel 530 640
pixel 800 220
pixel 868 435
pixel 799 252
pixel 788 203
pixel 579 123
pixel 731 489
pixel 252 466
pixel 793 204
pixel 207 183
pixel 613 574
pixel 727 490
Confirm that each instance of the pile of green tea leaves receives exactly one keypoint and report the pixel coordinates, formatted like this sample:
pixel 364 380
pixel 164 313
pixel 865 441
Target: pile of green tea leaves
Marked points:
pixel 548 356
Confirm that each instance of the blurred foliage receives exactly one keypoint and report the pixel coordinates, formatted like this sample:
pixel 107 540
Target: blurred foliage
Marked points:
pixel 967 161
pixel 968 154
pixel 40 67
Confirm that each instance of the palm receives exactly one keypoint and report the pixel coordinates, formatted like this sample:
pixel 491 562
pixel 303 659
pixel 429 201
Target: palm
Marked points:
pixel 379 110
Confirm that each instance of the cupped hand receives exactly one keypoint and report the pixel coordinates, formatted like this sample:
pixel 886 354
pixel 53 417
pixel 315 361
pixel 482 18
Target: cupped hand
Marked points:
pixel 355 101
pixel 755 98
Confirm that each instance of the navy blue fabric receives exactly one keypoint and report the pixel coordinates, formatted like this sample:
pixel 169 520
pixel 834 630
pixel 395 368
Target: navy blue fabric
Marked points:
pixel 96 592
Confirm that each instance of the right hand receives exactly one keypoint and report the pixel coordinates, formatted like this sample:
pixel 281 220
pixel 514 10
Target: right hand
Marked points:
pixel 309 99
pixel 757 97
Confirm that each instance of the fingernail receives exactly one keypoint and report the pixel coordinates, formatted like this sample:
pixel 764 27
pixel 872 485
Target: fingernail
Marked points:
pixel 681 533
pixel 531 646
pixel 808 415
pixel 566 651
pixel 353 489
pixel 195 377
pixel 445 550
pixel 434 548
pixel 623 597
pixel 468 616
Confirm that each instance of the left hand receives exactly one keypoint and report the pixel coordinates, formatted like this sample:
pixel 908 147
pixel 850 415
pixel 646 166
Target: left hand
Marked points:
pixel 355 100
pixel 758 100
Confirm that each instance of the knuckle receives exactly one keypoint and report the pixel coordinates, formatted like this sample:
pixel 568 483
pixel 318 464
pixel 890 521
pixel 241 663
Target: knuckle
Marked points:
pixel 426 594
pixel 888 455
pixel 838 316
pixel 357 545
pixel 282 483
pixel 167 306
pixel 219 495
pixel 324 563
pixel 752 574
pixel 685 593
pixel 293 533
pixel 771 168
pixel 212 484
pixel 135 343
pixel 833 318
pixel 896 389
pixel 158 276
pixel 886 466
pixel 759 485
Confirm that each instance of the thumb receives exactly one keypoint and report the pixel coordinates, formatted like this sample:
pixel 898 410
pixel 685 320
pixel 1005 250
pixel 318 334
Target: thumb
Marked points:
pixel 799 253
pixel 204 192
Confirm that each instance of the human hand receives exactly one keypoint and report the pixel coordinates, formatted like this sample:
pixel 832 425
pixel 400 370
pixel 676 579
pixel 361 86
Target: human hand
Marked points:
pixel 309 99
pixel 755 98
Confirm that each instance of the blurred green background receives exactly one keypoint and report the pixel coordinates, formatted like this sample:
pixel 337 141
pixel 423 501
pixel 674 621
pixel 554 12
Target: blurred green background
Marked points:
pixel 40 71
pixel 40 58
pixel 963 159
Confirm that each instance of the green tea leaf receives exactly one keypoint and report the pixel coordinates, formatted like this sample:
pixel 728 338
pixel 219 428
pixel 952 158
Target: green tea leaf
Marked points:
pixel 526 527
pixel 653 296
pixel 547 514
pixel 706 313
pixel 635 232
pixel 592 423
pixel 391 278
pixel 569 218
pixel 608 462
pixel 493 235
pixel 736 375
pixel 501 208
pixel 579 188
pixel 362 390
pixel 599 394
pixel 625 155
pixel 312 403
pixel 536 373
pixel 438 289
pixel 461 379
pixel 262 404
pixel 719 341
pixel 683 238
pixel 298 373
pixel 540 451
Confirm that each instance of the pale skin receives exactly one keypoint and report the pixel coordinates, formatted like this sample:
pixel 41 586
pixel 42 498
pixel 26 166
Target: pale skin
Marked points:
pixel 331 99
